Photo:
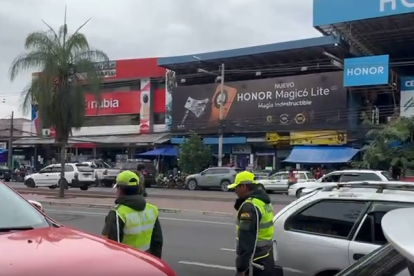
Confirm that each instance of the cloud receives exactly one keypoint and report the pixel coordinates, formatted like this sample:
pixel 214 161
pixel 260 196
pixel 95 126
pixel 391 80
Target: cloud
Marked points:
pixel 151 28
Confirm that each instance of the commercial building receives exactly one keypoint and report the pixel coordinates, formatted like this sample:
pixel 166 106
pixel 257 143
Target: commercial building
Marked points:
pixel 281 98
pixel 130 117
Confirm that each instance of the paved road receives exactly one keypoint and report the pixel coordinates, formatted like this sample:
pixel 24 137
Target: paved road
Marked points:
pixel 166 193
pixel 193 245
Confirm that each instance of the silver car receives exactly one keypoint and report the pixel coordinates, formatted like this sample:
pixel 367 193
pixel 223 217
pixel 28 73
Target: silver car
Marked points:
pixel 212 178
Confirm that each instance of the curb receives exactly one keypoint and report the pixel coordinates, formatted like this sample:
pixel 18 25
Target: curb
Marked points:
pixel 161 210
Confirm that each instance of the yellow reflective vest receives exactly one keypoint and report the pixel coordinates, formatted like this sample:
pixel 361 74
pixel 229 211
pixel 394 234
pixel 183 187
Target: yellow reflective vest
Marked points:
pixel 138 225
pixel 264 238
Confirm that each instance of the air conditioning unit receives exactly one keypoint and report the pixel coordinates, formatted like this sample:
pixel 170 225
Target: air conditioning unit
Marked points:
pixel 46 132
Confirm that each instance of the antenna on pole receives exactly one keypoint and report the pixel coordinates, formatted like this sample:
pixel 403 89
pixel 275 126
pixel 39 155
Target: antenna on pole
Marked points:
pixel 66 12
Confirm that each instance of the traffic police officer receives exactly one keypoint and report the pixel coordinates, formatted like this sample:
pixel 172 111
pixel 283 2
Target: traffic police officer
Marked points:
pixel 254 227
pixel 133 221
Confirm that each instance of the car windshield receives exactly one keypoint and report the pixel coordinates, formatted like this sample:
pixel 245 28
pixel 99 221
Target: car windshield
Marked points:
pixel 384 261
pixel 387 175
pixel 82 167
pixel 15 212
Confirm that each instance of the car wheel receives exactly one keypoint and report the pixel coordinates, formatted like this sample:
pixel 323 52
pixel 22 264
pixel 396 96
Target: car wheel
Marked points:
pixel 84 188
pixel 30 183
pixel 7 179
pixel 192 184
pixel 299 192
pixel 224 185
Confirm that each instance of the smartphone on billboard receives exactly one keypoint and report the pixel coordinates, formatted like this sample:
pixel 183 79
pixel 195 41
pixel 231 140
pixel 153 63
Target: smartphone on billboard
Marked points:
pixel 229 93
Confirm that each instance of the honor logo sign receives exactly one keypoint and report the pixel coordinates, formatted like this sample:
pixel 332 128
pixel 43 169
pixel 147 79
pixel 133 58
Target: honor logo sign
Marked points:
pixel 386 5
pixel 285 94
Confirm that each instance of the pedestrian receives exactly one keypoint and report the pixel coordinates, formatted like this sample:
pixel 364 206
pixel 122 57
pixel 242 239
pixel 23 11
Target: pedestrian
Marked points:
pixel 254 227
pixel 133 221
pixel 140 172
pixel 291 178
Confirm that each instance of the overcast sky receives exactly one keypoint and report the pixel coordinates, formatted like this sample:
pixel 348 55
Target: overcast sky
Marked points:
pixel 150 28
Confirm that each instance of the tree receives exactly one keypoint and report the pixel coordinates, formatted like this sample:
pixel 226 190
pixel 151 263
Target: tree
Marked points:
pixel 66 66
pixel 194 156
pixel 390 146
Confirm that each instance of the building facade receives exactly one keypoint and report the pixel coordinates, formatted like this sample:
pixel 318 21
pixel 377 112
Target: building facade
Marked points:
pixel 130 117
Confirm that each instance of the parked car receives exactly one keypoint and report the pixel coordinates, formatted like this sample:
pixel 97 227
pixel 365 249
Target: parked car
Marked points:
pixel 150 171
pixel 278 182
pixel 212 178
pixel 301 188
pixel 77 175
pixel 35 235
pixel 396 257
pixel 6 173
pixel 105 175
pixel 335 227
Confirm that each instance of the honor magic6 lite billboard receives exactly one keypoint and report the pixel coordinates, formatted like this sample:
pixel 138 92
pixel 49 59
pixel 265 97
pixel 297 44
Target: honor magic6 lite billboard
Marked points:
pixel 294 102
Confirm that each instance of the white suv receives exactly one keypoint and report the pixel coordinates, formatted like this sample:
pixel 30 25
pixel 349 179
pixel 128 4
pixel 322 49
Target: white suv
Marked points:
pixel 77 176
pixel 325 231
pixel 335 177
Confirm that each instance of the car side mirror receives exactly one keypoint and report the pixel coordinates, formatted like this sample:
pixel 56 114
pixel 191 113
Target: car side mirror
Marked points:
pixel 37 205
pixel 202 173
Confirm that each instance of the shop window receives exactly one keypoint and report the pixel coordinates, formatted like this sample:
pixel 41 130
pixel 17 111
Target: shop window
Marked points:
pixel 159 118
pixel 158 85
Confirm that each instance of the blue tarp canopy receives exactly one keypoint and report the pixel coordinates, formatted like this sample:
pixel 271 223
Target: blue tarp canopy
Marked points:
pixel 160 152
pixel 320 155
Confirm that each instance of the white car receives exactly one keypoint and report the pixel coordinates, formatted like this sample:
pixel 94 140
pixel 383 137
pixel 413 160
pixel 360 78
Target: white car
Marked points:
pixel 335 227
pixel 105 175
pixel 278 182
pixel 76 175
pixel 301 188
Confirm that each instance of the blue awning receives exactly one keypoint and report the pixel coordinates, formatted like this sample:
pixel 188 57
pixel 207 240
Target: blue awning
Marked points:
pixel 160 152
pixel 320 155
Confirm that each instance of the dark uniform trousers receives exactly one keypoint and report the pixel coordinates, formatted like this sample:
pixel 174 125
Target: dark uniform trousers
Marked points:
pixel 269 266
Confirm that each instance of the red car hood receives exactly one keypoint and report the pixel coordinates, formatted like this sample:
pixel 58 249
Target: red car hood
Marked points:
pixel 67 252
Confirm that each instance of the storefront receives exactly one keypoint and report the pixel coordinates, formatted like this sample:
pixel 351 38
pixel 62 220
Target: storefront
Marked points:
pixel 128 119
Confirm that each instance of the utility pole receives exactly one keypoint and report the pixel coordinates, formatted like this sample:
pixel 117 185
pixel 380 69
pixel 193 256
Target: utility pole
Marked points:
pixel 221 111
pixel 10 153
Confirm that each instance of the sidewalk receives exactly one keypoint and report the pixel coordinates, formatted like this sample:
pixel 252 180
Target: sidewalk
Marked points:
pixel 163 204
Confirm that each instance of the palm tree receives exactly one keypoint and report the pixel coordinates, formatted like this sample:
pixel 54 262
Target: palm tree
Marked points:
pixel 66 66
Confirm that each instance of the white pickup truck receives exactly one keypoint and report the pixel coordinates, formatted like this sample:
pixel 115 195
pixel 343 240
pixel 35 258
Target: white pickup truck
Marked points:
pixel 105 175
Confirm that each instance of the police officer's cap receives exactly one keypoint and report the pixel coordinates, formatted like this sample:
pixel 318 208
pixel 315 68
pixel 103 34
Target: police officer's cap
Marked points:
pixel 244 177
pixel 127 178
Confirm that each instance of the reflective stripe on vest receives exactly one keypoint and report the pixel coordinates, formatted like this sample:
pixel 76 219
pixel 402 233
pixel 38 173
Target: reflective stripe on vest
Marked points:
pixel 138 225
pixel 265 232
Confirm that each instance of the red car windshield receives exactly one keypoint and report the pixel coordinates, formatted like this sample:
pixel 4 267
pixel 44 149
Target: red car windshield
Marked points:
pixel 15 212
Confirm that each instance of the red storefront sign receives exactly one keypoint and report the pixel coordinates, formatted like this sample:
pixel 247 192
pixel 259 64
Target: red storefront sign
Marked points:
pixel 128 69
pixel 113 103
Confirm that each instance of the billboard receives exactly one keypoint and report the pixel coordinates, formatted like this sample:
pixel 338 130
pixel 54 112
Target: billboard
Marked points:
pixel 372 70
pixel 293 102
pixel 128 69
pixel 326 12
pixel 113 103
pixel 407 97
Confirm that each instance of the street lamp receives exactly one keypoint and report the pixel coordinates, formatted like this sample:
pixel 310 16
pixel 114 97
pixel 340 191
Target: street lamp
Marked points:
pixel 221 107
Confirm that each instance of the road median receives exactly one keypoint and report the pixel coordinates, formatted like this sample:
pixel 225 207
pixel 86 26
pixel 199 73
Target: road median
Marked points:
pixel 199 207
pixel 169 194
